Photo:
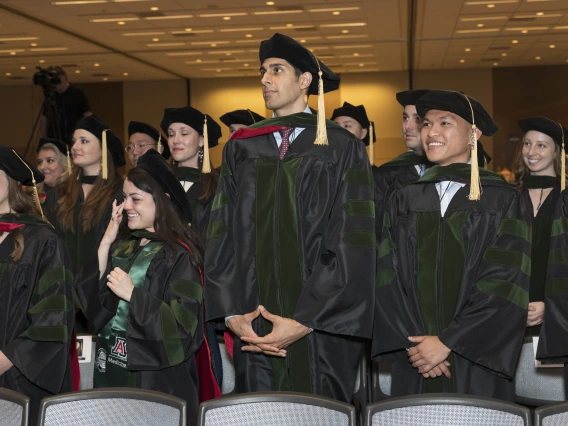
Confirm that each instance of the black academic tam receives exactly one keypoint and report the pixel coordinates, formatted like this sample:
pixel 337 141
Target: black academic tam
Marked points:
pixel 140 127
pixel 547 126
pixel 17 167
pixel 410 97
pixel 61 146
pixel 194 119
pixel 241 116
pixel 96 126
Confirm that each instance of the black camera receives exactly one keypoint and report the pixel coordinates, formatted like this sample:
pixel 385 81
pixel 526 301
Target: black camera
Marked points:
pixel 46 77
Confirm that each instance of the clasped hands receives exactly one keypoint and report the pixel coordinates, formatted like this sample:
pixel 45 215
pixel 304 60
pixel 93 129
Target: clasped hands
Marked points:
pixel 285 331
pixel 429 356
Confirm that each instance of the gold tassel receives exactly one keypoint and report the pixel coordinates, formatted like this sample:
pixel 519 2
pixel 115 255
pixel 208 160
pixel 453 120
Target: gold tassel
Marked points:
pixel 321 133
pixel 159 146
pixel 104 165
pixel 34 190
pixel 251 116
pixel 69 167
pixel 206 166
pixel 371 142
pixel 475 185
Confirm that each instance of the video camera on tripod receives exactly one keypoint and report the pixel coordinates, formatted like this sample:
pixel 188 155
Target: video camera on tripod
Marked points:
pixel 46 78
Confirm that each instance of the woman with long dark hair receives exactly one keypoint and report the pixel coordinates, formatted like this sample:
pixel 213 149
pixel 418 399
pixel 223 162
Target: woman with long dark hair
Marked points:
pixel 538 177
pixel 36 303
pixel 190 136
pixel 143 292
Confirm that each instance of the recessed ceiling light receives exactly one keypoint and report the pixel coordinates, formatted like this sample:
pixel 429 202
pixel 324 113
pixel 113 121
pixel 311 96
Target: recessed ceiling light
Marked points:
pixel 105 78
pixel 495 64
pixel 13 53
pixel 514 41
pixel 525 31
pixel 468 49
pixel 213 45
pixel 302 41
pixel 218 70
pixel 41 61
pixel 121 22
pixel 77 71
pixel 480 25
pixel 245 65
pixel 155 8
pixel 125 74
pixel 504 54
pixel 248 35
pixel 155 18
pixel 337 12
pixel 490 6
pixel 289 25
pixel 344 31
pixel 8 74
pixel 188 30
pixel 270 3
pixel 33 44
pixel 97 65
pixel 355 54
pixel 462 61
pixel 552 46
pixel 228 54
pixel 226 18
pixel 361 65
pixel 99 20
pixel 22 68
pixel 538 58
pixel 539 13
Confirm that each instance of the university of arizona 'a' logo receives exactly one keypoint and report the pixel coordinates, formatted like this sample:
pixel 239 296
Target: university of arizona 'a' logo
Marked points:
pixel 119 348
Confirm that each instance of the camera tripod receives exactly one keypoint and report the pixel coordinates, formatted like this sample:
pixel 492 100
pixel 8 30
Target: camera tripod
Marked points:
pixel 49 110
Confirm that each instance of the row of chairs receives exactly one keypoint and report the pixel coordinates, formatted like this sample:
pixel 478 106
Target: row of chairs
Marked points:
pixel 137 407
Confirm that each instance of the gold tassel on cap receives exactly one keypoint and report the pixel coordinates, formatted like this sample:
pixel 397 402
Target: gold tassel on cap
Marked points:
pixel 104 165
pixel 371 142
pixel 475 184
pixel 321 133
pixel 68 161
pixel 562 162
pixel 251 116
pixel 159 146
pixel 206 166
pixel 35 192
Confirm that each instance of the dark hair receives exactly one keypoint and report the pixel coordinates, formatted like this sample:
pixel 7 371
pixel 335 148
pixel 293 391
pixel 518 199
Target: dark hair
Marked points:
pixel 93 209
pixel 298 72
pixel 209 182
pixel 169 222
pixel 20 202
pixel 522 172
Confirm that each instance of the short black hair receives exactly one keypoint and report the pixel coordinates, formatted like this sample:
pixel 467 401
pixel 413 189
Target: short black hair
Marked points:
pixel 298 72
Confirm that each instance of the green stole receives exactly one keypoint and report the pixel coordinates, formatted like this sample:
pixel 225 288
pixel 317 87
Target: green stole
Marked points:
pixel 189 174
pixel 111 356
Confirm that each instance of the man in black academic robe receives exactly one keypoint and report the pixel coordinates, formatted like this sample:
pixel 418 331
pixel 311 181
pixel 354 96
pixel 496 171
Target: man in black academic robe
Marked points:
pixel 293 232
pixel 453 271
pixel 407 167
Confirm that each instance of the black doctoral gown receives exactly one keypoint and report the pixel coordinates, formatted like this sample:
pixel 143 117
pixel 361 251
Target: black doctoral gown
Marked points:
pixel 164 322
pixel 541 230
pixel 36 312
pixel 297 236
pixel 200 208
pixel 392 176
pixel 463 277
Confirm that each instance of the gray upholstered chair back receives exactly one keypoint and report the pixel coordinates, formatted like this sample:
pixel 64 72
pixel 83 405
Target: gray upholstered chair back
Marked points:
pixel 381 378
pixel 14 408
pixel 275 409
pixel 228 385
pixel 537 386
pixel 113 406
pixel 446 410
pixel 552 415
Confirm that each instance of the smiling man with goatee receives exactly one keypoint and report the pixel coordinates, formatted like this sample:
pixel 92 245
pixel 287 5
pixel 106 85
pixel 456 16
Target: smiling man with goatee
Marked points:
pixel 290 258
pixel 453 264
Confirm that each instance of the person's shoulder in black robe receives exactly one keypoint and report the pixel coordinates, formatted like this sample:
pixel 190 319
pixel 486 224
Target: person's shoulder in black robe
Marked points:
pixel 36 312
pixel 463 277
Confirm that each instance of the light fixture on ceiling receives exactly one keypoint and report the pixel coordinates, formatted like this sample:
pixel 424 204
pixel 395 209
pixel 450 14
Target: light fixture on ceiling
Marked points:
pixel 480 25
pixel 480 30
pixel 213 45
pixel 234 30
pixel 355 54
pixel 175 44
pixel 277 12
pixel 154 8
pixel 552 46
pixel 47 49
pixel 226 18
pixel 121 22
pixel 537 58
pixel 103 20
pixel 335 9
pixel 468 49
pixel 77 2
pixel 218 70
pixel 97 65
pixel 504 54
pixel 33 44
pixel 155 39
pixel 347 24
pixel 105 78
pixel 490 6
pixel 344 31
pixel 222 15
pixel 524 31
pixel 245 65
pixel 514 41
pixel 539 13
pixel 336 12
pixel 125 74
pixel 77 71
pixel 150 33
pixel 289 25
pixel 12 50
pixel 495 64
pixel 155 18
pixel 22 67
pixel 270 3
pixel 13 53
pixel 8 74
pixel 2 39
pixel 228 54
pixel 41 61
pixel 248 35
pixel 302 41
pixel 198 60
pixel 462 61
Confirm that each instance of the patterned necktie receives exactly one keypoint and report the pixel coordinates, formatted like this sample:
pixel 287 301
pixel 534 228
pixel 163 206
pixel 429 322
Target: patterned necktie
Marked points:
pixel 285 133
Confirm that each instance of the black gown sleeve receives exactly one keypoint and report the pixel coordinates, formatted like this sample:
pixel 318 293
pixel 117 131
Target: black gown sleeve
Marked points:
pixel 222 296
pixel 553 340
pixel 338 295
pixel 41 353
pixel 163 332
pixel 489 330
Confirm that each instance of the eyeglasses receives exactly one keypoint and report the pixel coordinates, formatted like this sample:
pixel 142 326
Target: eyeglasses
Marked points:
pixel 141 146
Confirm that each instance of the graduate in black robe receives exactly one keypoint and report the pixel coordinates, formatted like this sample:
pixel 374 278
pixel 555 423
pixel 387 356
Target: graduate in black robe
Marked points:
pixel 453 269
pixel 537 176
pixel 143 292
pixel 407 167
pixel 354 119
pixel 190 136
pixel 239 119
pixel 291 243
pixel 141 138
pixel 36 302
pixel 54 162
